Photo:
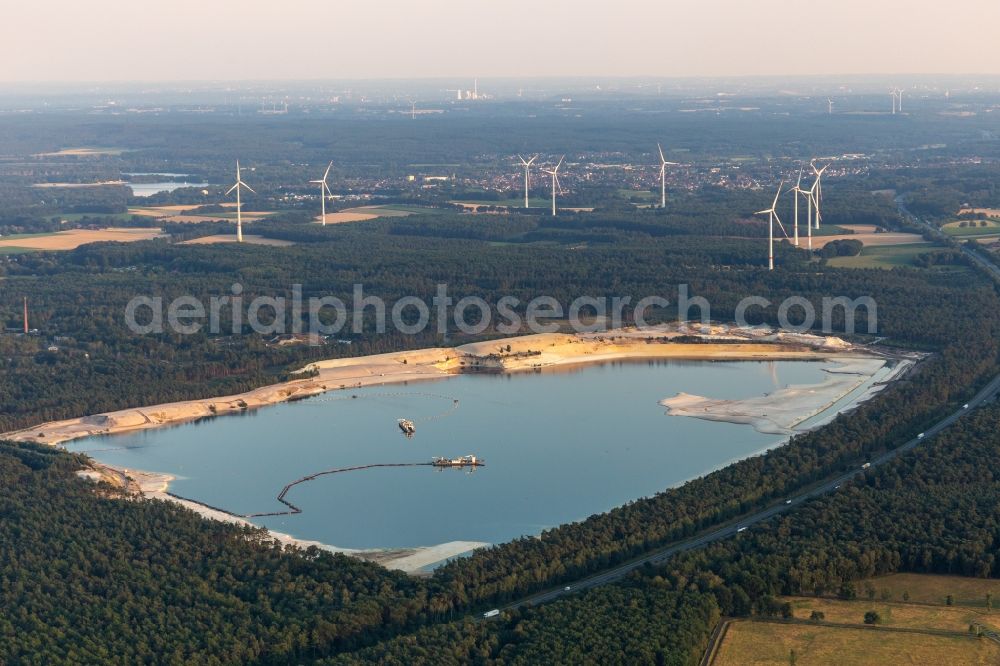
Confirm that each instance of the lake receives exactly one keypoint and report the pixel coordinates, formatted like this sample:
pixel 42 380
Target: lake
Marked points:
pixel 558 445
pixel 149 189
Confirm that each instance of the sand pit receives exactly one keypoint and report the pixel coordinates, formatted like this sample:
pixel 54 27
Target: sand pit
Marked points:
pixel 82 152
pixel 247 238
pixel 525 353
pixel 74 238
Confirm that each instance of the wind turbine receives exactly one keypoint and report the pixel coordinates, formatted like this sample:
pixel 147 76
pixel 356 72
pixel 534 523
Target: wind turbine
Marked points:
pixel 239 206
pixel 663 176
pixel 829 106
pixel 555 182
pixel 810 195
pixel 798 190
pixel 527 176
pixel 324 191
pixel 818 187
pixel 772 216
pixel 899 96
pixel 893 93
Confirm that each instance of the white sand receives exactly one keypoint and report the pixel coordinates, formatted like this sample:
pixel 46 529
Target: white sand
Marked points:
pixel 782 412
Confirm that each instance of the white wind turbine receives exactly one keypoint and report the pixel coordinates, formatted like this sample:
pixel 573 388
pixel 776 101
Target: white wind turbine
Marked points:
pixel 772 213
pixel 324 192
pixel 527 176
pixel 810 196
pixel 899 96
pixel 818 189
pixel 829 106
pixel 555 182
pixel 239 206
pixel 663 176
pixel 798 191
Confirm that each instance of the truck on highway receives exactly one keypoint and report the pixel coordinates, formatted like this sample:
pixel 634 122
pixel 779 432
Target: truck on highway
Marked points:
pixel 740 529
pixel 491 613
pixel 866 466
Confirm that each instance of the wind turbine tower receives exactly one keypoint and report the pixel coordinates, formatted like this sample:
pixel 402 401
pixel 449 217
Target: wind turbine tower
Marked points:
pixel 772 214
pixel 555 182
pixel 239 206
pixel 818 189
pixel 527 177
pixel 324 192
pixel 829 106
pixel 663 176
pixel 798 191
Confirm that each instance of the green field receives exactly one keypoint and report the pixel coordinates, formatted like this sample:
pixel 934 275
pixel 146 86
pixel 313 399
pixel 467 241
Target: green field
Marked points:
pixel 76 217
pixel 883 256
pixel 20 236
pixel 982 228
pixel 405 208
pixel 16 250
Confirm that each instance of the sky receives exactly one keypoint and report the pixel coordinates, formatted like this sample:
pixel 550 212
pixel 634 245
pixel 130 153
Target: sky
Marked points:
pixel 161 40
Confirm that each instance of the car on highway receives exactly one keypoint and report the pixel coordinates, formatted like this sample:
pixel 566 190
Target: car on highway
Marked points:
pixel 788 501
pixel 566 589
pixel 965 406
pixel 740 529
pixel 920 436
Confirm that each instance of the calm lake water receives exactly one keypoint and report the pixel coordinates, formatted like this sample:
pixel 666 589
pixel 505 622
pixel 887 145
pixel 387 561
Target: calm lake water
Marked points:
pixel 558 445
pixel 149 189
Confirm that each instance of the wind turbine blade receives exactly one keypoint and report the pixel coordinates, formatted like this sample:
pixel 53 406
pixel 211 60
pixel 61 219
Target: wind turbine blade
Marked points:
pixel 327 188
pixel 780 225
pixel 764 212
pixel 230 190
pixel 778 194
pixel 799 182
pixel 560 162
pixel 248 187
pixel 327 172
pixel 532 160
pixel 662 158
pixel 522 160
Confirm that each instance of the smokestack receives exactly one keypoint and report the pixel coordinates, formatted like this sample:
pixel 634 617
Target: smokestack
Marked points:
pixel 25 315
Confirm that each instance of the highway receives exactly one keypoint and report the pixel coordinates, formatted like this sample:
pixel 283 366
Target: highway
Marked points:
pixel 659 556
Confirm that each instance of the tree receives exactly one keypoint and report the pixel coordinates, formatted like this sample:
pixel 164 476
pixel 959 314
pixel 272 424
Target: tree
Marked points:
pixel 872 617
pixel 950 600
pixel 817 616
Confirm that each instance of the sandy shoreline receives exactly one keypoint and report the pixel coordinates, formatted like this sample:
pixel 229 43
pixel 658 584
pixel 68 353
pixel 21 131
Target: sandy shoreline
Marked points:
pixel 784 411
pixel 525 353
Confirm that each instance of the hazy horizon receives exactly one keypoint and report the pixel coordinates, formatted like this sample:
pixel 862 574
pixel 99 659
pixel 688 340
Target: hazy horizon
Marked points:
pixel 111 41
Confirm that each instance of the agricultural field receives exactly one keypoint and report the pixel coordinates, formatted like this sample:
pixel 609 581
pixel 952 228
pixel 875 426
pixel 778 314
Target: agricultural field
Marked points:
pixel 985 212
pixel 904 615
pixel 74 238
pixel 927 589
pixel 882 256
pixel 760 643
pixel 363 213
pixel 971 228
pixel 180 214
pixel 231 238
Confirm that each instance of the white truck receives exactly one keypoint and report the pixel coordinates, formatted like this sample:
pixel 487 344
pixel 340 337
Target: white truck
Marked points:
pixel 491 613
